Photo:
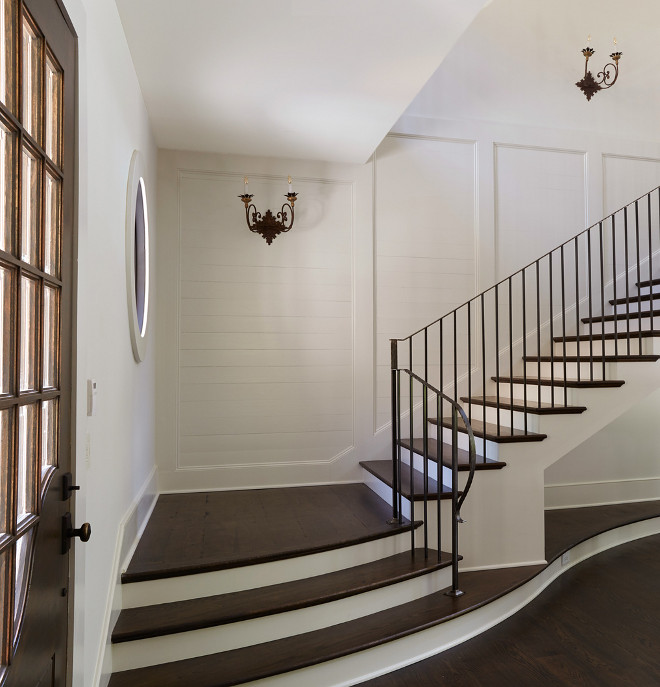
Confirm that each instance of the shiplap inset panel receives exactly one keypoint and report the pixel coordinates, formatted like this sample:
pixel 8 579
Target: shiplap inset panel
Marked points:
pixel 425 209
pixel 540 202
pixel 627 178
pixel 265 332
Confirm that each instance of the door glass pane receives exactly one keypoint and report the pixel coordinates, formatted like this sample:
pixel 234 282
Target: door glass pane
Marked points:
pixel 21 570
pixel 49 426
pixel 7 195
pixel 30 208
pixel 27 461
pixel 52 225
pixel 51 336
pixel 8 13
pixel 32 51
pixel 29 338
pixel 53 110
pixel 6 453
pixel 7 318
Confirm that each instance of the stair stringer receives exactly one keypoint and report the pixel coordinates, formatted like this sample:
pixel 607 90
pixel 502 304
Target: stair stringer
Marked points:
pixel 504 511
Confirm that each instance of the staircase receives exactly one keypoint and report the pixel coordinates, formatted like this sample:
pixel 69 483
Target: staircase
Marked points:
pixel 483 401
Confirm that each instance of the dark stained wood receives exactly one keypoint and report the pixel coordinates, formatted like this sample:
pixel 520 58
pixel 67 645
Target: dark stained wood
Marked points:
pixel 598 625
pixel 566 527
pixel 610 336
pixel 383 470
pixel 181 616
pixel 622 316
pixel 652 282
pixel 200 532
pixel 463 457
pixel 586 358
pixel 531 406
pixel 489 431
pixel 634 299
pixel 282 655
pixel 571 383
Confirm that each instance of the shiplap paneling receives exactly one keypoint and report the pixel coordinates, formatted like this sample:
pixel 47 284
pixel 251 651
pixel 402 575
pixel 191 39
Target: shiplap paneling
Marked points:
pixel 265 332
pixel 540 201
pixel 425 215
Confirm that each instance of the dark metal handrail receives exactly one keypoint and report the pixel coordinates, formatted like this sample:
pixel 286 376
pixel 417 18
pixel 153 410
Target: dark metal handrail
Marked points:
pixel 536 311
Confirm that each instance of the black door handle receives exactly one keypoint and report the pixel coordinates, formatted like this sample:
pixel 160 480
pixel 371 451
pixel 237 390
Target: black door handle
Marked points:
pixel 68 532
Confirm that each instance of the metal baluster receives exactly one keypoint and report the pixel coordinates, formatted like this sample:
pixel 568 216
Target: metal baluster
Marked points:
pixel 438 509
pixel 412 488
pixel 602 293
pixel 524 343
pixel 395 439
pixel 614 280
pixel 591 314
pixel 510 355
pixel 469 347
pixel 639 293
pixel 538 330
pixel 425 441
pixel 442 400
pixel 563 323
pixel 483 359
pixel 552 336
pixel 497 354
pixel 398 414
pixel 455 363
pixel 651 304
pixel 625 236
pixel 577 303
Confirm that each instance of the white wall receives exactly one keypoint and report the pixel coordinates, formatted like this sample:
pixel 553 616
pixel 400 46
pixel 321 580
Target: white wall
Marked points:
pixel 117 479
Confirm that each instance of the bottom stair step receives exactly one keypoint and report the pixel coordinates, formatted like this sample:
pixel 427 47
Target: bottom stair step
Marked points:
pixel 195 614
pixel 241 666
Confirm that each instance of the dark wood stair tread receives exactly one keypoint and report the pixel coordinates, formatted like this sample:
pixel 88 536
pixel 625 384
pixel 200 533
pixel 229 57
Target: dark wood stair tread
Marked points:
pixel 294 521
pixel 490 432
pixel 635 299
pixel 195 614
pixel 560 383
pixel 648 282
pixel 622 316
pixel 462 456
pixel 586 358
pixel 609 336
pixel 311 648
pixel 533 407
pixel 383 470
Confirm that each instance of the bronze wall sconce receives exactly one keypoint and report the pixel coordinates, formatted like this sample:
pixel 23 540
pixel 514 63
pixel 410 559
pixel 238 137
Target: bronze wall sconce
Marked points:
pixel 268 225
pixel 604 79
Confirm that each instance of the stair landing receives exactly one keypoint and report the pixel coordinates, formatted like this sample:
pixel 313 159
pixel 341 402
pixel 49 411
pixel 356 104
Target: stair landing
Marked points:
pixel 202 532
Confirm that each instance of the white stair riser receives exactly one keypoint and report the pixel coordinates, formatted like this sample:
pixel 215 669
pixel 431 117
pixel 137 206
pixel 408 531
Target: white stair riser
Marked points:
pixel 491 416
pixel 253 576
pixel 636 306
pixel 481 445
pixel 569 370
pixel 418 464
pixel 183 645
pixel 546 393
pixel 632 325
pixel 611 347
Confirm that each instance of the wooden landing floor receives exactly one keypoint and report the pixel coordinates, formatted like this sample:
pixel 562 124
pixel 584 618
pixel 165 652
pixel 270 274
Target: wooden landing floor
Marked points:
pixel 199 532
pixel 597 625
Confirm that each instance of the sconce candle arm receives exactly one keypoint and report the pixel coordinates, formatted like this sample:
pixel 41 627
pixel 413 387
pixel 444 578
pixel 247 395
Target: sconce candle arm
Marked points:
pixel 268 225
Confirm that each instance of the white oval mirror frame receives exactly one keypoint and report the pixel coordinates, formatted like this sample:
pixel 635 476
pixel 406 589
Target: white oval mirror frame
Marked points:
pixel 137 256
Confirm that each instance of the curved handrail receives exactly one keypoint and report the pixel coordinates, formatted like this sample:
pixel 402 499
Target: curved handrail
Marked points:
pixel 468 426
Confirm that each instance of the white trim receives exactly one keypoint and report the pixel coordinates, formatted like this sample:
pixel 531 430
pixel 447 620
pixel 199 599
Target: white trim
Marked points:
pixel 146 497
pixel 601 492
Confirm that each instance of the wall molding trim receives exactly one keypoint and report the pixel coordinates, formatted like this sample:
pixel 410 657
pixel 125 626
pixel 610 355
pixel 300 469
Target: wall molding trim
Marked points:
pixel 601 493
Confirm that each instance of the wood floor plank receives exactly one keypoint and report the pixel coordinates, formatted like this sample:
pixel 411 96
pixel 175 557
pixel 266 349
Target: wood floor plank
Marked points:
pixel 598 625
pixel 200 532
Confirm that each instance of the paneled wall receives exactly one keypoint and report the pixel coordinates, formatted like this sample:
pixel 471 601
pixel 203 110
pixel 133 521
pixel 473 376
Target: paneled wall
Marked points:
pixel 274 360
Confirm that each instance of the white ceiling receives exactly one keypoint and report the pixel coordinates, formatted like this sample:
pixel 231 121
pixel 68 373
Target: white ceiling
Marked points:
pixel 309 79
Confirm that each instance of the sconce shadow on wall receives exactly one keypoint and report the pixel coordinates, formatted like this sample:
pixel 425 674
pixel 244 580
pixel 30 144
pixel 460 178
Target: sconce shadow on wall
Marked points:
pixel 269 226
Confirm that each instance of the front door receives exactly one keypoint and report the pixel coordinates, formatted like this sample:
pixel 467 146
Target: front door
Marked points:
pixel 37 177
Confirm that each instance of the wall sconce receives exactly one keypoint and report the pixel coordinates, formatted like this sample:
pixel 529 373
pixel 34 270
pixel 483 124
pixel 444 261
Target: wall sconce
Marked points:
pixel 268 225
pixel 590 86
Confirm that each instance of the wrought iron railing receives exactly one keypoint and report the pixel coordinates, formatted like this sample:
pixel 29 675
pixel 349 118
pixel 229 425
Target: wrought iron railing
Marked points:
pixel 489 351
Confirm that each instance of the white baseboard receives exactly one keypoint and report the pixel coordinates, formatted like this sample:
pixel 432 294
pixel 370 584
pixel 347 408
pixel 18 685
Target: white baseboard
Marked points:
pixel 128 534
pixel 609 492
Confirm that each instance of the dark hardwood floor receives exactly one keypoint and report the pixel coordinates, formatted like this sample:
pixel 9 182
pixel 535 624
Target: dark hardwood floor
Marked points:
pixel 598 625
pixel 198 532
